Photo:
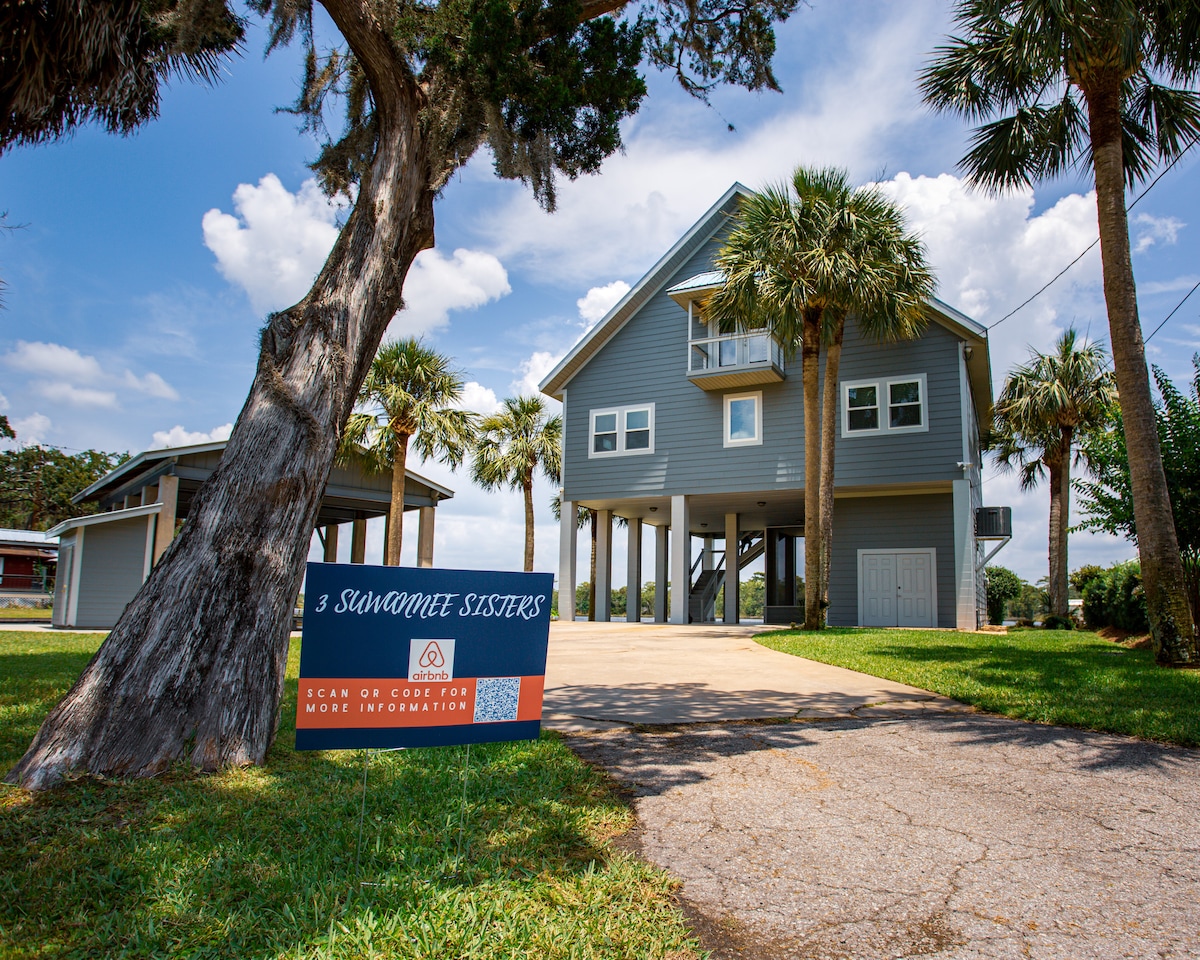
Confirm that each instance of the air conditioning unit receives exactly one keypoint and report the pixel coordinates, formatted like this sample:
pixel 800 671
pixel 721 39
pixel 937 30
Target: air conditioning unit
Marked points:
pixel 993 523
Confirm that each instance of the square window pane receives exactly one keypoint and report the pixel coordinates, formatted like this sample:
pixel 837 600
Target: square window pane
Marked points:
pixel 863 419
pixel 908 415
pixel 906 392
pixel 637 439
pixel 757 349
pixel 728 353
pixel 606 423
pixel 862 396
pixel 637 420
pixel 605 443
pixel 743 419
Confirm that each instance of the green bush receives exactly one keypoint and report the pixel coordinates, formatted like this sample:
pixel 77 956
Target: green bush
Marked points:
pixel 1002 585
pixel 1058 623
pixel 1116 599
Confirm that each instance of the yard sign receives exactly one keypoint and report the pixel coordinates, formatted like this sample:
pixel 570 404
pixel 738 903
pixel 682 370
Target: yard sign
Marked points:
pixel 409 657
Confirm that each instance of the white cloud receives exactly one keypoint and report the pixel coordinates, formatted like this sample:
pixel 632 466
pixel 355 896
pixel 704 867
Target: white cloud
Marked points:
pixel 276 243
pixel 599 300
pixel 177 436
pixel 1155 230
pixel 437 284
pixel 3 402
pixel 478 398
pixel 151 384
pixel 85 397
pixel 991 252
pixel 32 429
pixel 1178 285
pixel 54 360
pixel 67 376
pixel 533 371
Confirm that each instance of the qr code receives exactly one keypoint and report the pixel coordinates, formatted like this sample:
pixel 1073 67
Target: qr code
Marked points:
pixel 496 699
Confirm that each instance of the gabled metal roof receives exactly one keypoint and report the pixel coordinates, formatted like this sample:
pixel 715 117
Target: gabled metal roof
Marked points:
pixel 150 464
pixel 978 364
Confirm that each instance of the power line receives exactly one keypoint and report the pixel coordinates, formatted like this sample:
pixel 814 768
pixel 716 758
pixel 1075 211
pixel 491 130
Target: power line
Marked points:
pixel 1173 312
pixel 1150 186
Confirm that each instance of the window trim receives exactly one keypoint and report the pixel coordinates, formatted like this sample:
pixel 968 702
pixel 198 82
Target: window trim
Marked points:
pixel 923 404
pixel 883 392
pixel 757 439
pixel 849 385
pixel 621 414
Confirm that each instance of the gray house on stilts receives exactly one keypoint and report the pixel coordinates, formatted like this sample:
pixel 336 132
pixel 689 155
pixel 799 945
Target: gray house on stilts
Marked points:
pixel 671 424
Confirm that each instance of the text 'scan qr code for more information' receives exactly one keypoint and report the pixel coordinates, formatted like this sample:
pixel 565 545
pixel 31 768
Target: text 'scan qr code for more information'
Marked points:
pixel 496 699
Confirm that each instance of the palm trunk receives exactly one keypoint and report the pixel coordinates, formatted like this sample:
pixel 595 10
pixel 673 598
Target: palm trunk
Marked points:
pixel 527 487
pixel 1060 504
pixel 810 359
pixel 1172 632
pixel 194 668
pixel 829 418
pixel 395 527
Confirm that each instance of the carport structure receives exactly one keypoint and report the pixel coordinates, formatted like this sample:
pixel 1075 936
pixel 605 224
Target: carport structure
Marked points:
pixel 104 558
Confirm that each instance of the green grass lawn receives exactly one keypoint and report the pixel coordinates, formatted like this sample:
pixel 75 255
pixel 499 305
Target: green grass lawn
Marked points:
pixel 25 613
pixel 262 862
pixel 1067 677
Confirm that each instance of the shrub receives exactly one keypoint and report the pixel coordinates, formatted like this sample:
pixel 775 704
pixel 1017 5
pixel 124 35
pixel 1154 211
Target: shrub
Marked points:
pixel 1058 623
pixel 1002 585
pixel 1116 599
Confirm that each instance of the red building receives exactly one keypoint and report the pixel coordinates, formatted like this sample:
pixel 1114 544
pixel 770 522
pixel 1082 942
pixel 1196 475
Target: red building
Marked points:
pixel 27 562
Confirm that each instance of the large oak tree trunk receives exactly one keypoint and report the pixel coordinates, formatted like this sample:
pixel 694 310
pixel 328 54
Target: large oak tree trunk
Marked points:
pixel 194 668
pixel 810 361
pixel 1172 631
pixel 829 425
pixel 1060 504
pixel 395 530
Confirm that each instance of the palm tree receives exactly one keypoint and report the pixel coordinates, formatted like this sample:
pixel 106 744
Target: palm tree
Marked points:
pixel 1044 407
pixel 411 388
pixel 1101 83
pixel 800 259
pixel 512 446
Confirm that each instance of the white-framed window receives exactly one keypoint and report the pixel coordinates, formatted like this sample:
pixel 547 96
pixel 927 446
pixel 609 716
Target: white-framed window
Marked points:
pixel 894 405
pixel 619 431
pixel 743 419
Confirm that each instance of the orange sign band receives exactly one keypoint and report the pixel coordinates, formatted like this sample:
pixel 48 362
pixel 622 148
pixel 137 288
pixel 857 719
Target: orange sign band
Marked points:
pixel 344 702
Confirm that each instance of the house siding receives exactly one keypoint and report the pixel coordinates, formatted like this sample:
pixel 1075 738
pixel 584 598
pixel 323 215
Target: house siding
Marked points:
pixel 646 362
pixel 890 523
pixel 111 571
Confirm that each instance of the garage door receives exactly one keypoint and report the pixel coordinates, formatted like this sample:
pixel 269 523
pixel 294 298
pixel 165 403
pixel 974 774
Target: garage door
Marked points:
pixel 897 588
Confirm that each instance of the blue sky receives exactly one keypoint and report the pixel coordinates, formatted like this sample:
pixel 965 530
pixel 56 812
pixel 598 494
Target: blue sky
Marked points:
pixel 143 266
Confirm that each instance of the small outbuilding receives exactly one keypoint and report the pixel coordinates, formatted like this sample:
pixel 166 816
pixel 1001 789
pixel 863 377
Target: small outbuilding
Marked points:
pixel 106 557
pixel 27 560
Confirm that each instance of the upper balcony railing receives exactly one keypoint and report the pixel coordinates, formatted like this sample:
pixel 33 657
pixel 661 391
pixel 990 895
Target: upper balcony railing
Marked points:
pixel 735 359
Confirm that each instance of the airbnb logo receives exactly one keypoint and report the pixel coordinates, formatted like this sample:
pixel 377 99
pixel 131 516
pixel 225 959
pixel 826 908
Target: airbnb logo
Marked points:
pixel 430 659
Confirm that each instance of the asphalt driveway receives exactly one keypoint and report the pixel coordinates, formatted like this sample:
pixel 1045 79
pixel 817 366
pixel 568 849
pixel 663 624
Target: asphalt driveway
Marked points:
pixel 878 821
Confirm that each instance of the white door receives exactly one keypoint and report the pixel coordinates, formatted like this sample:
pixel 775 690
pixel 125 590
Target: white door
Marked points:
pixel 879 590
pixel 914 593
pixel 897 588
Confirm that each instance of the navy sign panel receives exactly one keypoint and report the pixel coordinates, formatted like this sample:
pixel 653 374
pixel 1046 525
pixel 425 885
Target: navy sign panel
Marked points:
pixel 411 657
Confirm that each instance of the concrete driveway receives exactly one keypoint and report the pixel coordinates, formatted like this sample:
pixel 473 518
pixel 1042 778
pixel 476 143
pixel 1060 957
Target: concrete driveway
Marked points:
pixel 882 822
